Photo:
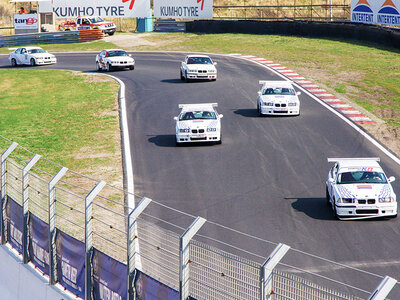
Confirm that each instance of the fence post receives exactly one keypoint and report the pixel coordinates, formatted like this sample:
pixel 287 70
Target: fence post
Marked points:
pixel 52 225
pixel 3 201
pixel 88 237
pixel 132 243
pixel 383 289
pixel 267 268
pixel 25 206
pixel 184 256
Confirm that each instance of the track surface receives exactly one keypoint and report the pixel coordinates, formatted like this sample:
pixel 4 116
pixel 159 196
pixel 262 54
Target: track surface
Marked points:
pixel 266 179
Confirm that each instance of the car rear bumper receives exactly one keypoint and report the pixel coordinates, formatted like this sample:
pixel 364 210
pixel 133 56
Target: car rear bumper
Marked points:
pixel 366 211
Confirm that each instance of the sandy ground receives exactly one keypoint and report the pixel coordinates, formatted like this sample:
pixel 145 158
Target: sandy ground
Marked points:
pixel 380 130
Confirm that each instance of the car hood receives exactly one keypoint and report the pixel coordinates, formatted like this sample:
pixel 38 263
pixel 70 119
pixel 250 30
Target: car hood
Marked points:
pixel 119 58
pixel 279 98
pixel 193 124
pixel 200 66
pixel 365 190
pixel 42 55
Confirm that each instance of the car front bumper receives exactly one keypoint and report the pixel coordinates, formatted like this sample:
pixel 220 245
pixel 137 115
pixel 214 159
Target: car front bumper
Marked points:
pixel 202 75
pixel 109 30
pixel 122 64
pixel 350 212
pixel 200 137
pixel 46 61
pixel 282 111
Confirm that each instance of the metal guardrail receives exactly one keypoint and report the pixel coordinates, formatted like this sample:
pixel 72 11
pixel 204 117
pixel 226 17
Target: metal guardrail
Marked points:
pixel 170 25
pixel 40 38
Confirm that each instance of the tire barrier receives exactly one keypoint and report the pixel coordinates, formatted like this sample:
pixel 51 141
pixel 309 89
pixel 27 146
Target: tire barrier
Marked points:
pixel 90 35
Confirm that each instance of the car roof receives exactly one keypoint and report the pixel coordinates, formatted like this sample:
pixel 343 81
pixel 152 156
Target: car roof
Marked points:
pixel 31 48
pixel 198 106
pixel 112 50
pixel 358 164
pixel 276 84
pixel 198 55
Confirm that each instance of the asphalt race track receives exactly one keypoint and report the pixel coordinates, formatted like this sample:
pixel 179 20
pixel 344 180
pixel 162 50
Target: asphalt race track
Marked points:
pixel 267 179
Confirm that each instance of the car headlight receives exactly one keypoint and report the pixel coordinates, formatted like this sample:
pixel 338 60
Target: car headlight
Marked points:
pixel 347 200
pixel 292 104
pixel 211 129
pixel 268 103
pixel 184 130
pixel 192 71
pixel 386 199
pixel 212 71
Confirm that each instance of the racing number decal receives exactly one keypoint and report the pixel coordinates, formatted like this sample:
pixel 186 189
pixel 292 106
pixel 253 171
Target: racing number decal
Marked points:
pixel 367 169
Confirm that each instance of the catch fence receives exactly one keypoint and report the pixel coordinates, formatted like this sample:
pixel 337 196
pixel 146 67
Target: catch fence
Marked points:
pixel 80 233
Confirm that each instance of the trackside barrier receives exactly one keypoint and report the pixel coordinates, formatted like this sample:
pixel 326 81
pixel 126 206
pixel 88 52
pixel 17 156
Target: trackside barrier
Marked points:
pixel 60 37
pixel 58 212
pixel 169 25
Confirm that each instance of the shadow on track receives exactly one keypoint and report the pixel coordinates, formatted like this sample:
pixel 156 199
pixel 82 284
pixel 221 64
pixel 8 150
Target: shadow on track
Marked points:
pixel 316 208
pixel 247 112
pixel 168 140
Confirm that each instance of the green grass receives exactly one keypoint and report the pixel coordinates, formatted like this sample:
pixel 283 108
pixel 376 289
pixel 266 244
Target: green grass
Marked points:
pixel 58 113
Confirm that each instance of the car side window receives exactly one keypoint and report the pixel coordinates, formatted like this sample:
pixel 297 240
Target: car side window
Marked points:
pixel 102 54
pixel 334 171
pixel 23 50
pixel 18 51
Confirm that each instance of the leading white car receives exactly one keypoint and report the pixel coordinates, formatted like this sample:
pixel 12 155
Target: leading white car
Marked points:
pixel 31 56
pixel 357 188
pixel 198 67
pixel 278 98
pixel 198 123
pixel 111 59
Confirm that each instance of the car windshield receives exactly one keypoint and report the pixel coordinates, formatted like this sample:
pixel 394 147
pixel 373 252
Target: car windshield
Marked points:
pixel 32 51
pixel 196 115
pixel 278 91
pixel 361 177
pixel 199 61
pixel 116 53
pixel 96 20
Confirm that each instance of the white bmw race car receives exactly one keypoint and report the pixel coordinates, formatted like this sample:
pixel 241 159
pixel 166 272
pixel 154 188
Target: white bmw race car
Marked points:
pixel 198 67
pixel 278 98
pixel 31 56
pixel 357 188
pixel 111 59
pixel 198 123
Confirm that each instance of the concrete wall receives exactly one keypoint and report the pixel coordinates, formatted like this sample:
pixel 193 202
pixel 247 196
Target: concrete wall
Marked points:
pixel 375 34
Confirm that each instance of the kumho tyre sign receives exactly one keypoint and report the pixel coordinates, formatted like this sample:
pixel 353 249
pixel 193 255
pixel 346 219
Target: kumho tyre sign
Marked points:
pixel 183 9
pixel 102 8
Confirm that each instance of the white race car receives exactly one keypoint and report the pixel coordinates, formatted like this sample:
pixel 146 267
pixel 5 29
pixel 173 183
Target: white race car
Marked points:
pixel 198 123
pixel 357 188
pixel 110 59
pixel 31 56
pixel 198 67
pixel 278 98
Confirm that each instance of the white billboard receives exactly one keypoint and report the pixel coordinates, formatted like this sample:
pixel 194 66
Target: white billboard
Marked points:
pixel 101 8
pixel 385 12
pixel 26 21
pixel 183 9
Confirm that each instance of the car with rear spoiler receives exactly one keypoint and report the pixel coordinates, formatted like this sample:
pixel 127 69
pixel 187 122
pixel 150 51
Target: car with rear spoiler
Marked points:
pixel 357 188
pixel 198 123
pixel 278 98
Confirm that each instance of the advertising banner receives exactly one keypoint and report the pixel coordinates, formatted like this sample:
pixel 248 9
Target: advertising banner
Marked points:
pixel 183 9
pixel 26 21
pixel 71 263
pixel 101 8
pixel 39 243
pixel 15 223
pixel 147 288
pixel 109 277
pixel 386 12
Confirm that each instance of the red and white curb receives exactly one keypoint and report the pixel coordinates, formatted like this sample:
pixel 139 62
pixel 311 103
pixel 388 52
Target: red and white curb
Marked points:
pixel 331 100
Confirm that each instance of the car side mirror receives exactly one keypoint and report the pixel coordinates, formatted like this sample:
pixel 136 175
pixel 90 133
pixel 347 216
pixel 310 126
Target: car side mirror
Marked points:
pixel 214 63
pixel 130 55
pixel 221 116
pixel 176 118
pixel 259 93
pixel 391 178
pixel 331 180
pixel 298 93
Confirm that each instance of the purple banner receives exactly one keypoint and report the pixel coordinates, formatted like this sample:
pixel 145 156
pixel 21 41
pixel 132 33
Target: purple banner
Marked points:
pixel 71 263
pixel 39 243
pixel 14 223
pixel 147 288
pixel 109 277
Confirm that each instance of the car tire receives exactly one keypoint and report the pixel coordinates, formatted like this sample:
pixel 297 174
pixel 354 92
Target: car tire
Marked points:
pixel 328 198
pixel 181 75
pixel 177 144
pixel 109 67
pixel 186 77
pixel 259 110
pixel 111 33
pixel 13 62
pixel 132 68
pixel 33 62
pixel 220 141
pixel 334 210
pixel 98 68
